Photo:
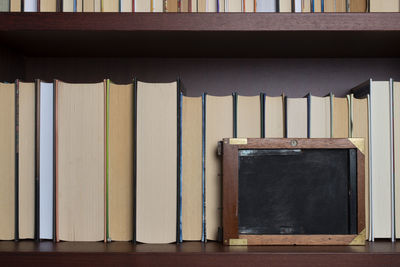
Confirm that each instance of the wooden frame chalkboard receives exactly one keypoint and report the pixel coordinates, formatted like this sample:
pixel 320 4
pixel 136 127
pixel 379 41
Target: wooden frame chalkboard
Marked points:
pixel 231 150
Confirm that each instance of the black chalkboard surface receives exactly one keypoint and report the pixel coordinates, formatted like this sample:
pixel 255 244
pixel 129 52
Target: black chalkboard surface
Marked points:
pixel 297 191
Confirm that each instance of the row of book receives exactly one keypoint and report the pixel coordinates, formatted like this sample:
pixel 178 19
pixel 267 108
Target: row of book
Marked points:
pixel 103 161
pixel 199 6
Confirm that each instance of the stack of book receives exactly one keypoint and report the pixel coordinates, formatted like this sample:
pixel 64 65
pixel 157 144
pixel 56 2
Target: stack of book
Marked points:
pixel 104 161
pixel 199 6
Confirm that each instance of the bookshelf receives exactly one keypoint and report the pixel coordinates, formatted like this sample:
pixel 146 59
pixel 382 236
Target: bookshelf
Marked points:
pixel 216 53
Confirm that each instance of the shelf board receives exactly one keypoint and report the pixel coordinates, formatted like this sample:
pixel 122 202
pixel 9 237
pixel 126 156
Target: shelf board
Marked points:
pixel 194 254
pixel 202 34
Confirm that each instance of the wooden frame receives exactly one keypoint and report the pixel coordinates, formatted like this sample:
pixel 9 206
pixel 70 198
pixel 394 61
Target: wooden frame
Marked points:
pixel 230 192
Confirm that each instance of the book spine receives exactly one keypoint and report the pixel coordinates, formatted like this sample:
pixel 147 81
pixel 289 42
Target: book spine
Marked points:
pixel 371 210
pixel 262 115
pixel 133 6
pixel 179 164
pixel 107 162
pixel 38 5
pixel 16 127
pixel 277 7
pixel 134 157
pixel 235 97
pixel 203 174
pixel 322 6
pixel 309 115
pixel 285 115
pixel 331 114
pixel 37 165
pixel 392 186
pixel 55 143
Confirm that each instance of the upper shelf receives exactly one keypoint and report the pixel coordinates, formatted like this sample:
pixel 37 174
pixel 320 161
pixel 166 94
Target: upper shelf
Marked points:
pixel 202 34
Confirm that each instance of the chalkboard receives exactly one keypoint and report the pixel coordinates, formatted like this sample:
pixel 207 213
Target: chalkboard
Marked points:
pixel 297 191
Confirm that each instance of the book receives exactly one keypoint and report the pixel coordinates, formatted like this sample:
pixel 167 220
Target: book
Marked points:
pixel 31 5
pixel 380 150
pixel 296 117
pixel 156 162
pixel 319 116
pixel 125 6
pixel 316 6
pixel 219 124
pixel 340 117
pixel 193 5
pixel 15 5
pixel 233 5
pixel 285 5
pixel 341 5
pixel 78 5
pixel 201 5
pixel 185 6
pixel 26 160
pixel 249 6
pixel 384 6
pixel 88 5
pixel 142 6
pixel 192 168
pixel 297 6
pixel 266 6
pixel 97 5
pixel 248 116
pixel 396 150
pixel 329 5
pixel 274 109
pixel 45 157
pixel 306 5
pixel 68 5
pixel 80 161
pixel 359 5
pixel 120 150
pixel 5 6
pixel 110 5
pixel 157 5
pixel 7 161
pixel 212 5
pixel 170 5
pixel 48 5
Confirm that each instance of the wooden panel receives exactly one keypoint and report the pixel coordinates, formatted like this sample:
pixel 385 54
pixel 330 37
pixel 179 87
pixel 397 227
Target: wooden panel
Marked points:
pixel 298 239
pixel 80 160
pixel 26 159
pixel 156 162
pixel 7 161
pixel 192 168
pixel 120 183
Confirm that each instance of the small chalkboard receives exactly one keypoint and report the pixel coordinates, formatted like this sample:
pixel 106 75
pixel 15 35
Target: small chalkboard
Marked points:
pixel 300 191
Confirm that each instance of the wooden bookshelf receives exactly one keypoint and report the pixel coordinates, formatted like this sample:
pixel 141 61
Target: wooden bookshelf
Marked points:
pixel 213 53
pixel 30 253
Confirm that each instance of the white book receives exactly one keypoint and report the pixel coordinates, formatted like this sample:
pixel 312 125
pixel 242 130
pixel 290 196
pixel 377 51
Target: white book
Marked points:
pixel 233 5
pixel 157 5
pixel 265 6
pixel 97 5
pixel 248 6
pixel 211 6
pixel 396 148
pixel 285 6
pixel 194 5
pixel 297 6
pixel 46 161
pixel 30 6
pixel 126 5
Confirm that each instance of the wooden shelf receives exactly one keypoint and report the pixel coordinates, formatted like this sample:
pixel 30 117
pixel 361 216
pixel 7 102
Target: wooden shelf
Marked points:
pixel 29 253
pixel 202 34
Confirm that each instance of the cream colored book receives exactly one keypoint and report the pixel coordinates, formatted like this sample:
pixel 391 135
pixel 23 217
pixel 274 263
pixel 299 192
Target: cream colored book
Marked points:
pixel 320 116
pixel 7 161
pixel 340 117
pixel 79 6
pixel 274 117
pixel 341 6
pixel 396 149
pixel 296 117
pixel 360 129
pixel 120 158
pixel 233 6
pixel 157 6
pixel 317 7
pixel 201 5
pixel 48 5
pixel 192 168
pixel 88 5
pixel 285 5
pixel 26 160
pixel 156 162
pixel 68 5
pixel 248 6
pixel 306 5
pixel 384 6
pixel 360 5
pixel 15 5
pixel 329 6
pixel 126 6
pixel 97 5
pixel 142 6
pixel 193 6
pixel 219 125
pixel 248 116
pixel 80 161
pixel 110 6
pixel 211 6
